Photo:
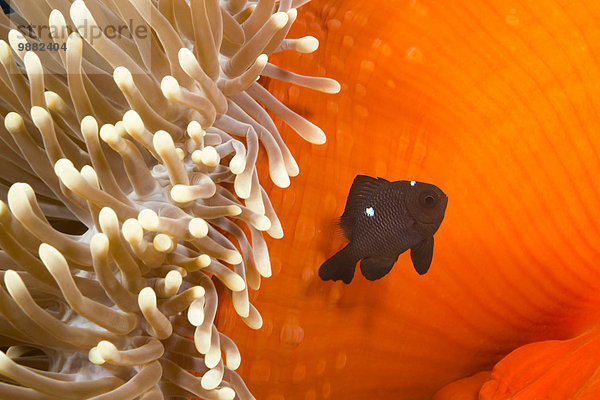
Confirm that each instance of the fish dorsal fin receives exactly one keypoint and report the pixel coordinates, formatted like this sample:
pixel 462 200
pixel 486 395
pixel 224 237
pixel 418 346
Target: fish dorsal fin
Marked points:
pixel 361 190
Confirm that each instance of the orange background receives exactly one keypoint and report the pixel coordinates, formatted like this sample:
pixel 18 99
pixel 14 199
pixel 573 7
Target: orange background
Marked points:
pixel 497 103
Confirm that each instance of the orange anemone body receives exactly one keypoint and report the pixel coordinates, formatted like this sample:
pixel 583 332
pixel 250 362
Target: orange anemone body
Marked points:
pixel 498 104
pixel 565 369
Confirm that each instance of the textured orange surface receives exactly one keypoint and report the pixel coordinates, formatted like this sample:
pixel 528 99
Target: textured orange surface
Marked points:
pixel 497 103
pixel 548 370
pixel 464 389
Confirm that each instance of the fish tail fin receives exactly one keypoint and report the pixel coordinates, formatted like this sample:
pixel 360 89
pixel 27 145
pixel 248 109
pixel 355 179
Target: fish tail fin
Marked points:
pixel 340 266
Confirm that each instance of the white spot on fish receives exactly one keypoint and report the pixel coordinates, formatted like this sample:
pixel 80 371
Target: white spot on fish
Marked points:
pixel 370 212
pixel 413 183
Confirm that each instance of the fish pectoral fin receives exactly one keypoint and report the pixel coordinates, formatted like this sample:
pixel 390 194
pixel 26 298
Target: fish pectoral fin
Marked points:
pixel 421 255
pixel 374 268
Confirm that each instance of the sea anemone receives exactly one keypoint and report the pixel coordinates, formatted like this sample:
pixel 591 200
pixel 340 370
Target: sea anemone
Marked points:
pixel 131 131
pixel 497 103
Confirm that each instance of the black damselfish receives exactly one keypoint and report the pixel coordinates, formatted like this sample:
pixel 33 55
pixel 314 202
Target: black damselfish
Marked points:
pixel 383 219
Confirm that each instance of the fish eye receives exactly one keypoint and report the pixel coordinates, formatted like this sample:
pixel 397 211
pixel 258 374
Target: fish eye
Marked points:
pixel 428 199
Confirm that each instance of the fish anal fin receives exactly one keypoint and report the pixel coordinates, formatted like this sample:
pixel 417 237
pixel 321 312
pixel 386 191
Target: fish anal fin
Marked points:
pixel 421 255
pixel 362 188
pixel 374 268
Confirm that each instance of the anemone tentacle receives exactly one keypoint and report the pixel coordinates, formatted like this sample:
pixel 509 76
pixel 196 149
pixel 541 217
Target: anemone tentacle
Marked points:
pixel 138 122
